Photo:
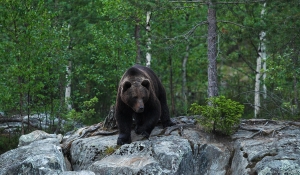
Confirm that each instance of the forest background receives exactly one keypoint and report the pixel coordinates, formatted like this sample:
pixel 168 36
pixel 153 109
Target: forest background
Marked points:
pixel 65 58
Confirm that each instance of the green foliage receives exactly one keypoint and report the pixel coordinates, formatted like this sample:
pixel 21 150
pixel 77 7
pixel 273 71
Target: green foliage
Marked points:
pixel 8 142
pixel 220 114
pixel 39 38
pixel 86 114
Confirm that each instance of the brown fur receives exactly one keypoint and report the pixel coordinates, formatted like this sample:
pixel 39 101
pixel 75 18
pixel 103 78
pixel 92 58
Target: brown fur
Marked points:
pixel 140 96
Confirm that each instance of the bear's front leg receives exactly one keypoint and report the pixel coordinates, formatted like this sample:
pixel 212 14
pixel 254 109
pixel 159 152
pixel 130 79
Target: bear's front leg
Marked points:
pixel 146 122
pixel 124 124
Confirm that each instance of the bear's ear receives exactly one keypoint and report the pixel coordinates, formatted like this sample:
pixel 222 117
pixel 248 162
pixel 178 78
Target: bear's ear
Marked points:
pixel 126 86
pixel 146 84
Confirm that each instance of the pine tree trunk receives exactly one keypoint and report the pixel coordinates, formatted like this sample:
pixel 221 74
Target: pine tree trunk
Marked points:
pixel 212 50
pixel 148 54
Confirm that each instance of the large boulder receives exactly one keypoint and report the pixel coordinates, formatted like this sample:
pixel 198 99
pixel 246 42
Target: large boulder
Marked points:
pixel 38 157
pixel 181 150
pixel 159 155
pixel 38 135
pixel 85 151
pixel 266 147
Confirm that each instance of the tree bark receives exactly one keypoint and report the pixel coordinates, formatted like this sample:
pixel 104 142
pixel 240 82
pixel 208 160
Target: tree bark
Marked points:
pixel 184 62
pixel 110 121
pixel 257 88
pixel 262 56
pixel 68 86
pixel 212 50
pixel 148 54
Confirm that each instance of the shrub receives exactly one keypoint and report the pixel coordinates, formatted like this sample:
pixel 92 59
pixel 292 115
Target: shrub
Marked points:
pixel 220 114
pixel 83 116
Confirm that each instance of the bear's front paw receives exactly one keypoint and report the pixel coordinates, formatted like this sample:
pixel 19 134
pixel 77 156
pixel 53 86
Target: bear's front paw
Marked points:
pixel 142 132
pixel 123 140
pixel 138 130
pixel 145 134
pixel 168 123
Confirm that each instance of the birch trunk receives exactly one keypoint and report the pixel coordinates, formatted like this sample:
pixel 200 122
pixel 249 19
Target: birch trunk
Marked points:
pixel 262 57
pixel 148 54
pixel 68 86
pixel 68 76
pixel 184 62
pixel 257 88
pixel 212 50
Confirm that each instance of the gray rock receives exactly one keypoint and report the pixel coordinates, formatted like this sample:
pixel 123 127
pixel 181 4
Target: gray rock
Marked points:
pixel 260 147
pixel 160 155
pixel 209 156
pixel 37 158
pixel 88 150
pixel 83 172
pixel 274 149
pixel 34 136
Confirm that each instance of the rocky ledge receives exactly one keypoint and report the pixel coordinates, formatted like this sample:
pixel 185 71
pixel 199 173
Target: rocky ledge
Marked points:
pixel 258 147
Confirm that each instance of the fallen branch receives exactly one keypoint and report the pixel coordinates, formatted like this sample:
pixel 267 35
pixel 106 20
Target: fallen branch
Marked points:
pixel 178 126
pixel 261 131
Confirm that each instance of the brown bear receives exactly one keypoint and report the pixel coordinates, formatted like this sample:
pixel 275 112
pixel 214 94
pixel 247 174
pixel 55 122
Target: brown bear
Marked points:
pixel 140 96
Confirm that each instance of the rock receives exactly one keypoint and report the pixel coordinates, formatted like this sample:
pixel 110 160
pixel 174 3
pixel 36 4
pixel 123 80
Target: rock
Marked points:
pixel 258 147
pixel 34 136
pixel 272 147
pixel 209 156
pixel 38 121
pixel 83 172
pixel 160 155
pixel 37 158
pixel 88 150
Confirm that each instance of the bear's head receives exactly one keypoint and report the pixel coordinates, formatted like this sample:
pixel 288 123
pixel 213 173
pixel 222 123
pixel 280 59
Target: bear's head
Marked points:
pixel 135 94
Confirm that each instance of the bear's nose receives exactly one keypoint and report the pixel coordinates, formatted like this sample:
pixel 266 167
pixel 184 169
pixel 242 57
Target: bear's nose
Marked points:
pixel 141 109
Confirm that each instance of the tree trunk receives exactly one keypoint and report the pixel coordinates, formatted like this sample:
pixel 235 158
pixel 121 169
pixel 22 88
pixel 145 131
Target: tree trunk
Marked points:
pixel 68 86
pixel 148 54
pixel 184 62
pixel 257 88
pixel 68 76
pixel 212 50
pixel 264 55
pixel 110 121
pixel 21 106
pixel 137 41
pixel 261 57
